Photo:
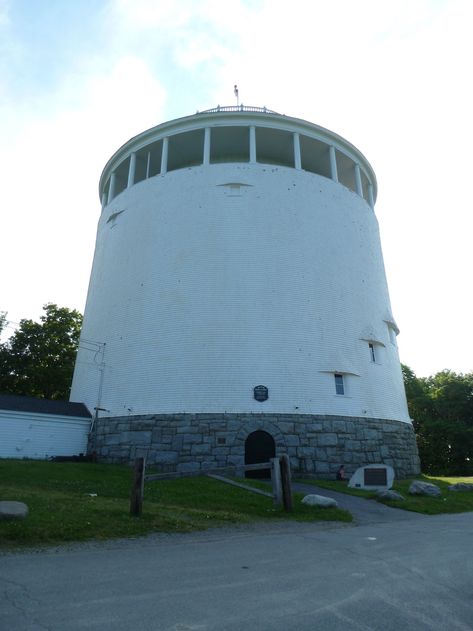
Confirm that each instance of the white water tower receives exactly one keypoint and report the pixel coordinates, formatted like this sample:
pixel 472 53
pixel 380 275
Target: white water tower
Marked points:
pixel 238 297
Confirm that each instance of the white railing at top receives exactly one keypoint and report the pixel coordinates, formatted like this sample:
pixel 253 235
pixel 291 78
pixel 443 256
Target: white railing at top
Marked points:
pixel 238 108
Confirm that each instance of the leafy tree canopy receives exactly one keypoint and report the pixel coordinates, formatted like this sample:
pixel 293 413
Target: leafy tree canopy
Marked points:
pixel 38 359
pixel 441 407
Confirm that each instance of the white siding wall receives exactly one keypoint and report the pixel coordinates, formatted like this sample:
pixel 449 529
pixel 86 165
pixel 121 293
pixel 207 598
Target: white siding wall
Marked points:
pixel 30 435
pixel 202 291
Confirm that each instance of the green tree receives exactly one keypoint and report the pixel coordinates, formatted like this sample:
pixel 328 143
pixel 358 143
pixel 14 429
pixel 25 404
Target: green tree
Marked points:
pixel 418 399
pixel 441 407
pixel 452 395
pixel 38 359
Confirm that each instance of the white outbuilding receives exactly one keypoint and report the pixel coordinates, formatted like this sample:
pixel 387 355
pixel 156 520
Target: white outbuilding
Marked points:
pixel 39 428
pixel 238 304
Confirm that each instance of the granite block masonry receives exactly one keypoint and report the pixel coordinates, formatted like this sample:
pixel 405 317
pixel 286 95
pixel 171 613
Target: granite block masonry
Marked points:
pixel 316 444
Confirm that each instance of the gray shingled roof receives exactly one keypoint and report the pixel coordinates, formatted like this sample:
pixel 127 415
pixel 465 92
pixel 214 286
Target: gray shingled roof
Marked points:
pixel 42 406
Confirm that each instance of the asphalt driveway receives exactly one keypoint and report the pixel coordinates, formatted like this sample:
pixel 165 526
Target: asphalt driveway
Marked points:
pixel 389 573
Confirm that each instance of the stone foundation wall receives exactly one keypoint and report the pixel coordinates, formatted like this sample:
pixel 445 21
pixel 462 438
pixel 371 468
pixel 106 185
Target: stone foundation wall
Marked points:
pixel 316 445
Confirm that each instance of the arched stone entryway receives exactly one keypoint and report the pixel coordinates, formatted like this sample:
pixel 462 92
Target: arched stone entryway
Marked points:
pixel 259 447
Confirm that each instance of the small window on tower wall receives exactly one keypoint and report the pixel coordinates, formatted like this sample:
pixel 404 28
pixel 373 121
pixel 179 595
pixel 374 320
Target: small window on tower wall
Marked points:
pixel 339 385
pixel 372 352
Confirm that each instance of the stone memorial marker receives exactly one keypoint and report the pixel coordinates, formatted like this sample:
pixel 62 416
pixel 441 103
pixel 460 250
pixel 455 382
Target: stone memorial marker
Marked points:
pixel 372 477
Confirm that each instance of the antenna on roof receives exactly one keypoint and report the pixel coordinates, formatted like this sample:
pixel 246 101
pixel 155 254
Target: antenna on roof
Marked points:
pixel 235 92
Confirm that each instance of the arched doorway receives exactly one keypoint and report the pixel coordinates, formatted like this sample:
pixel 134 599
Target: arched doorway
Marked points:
pixel 259 447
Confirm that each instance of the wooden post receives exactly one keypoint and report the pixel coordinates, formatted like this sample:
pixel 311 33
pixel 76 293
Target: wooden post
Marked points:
pixel 286 483
pixel 276 481
pixel 137 490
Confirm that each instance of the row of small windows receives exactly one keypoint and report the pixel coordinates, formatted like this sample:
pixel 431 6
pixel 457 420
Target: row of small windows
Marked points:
pixel 340 387
pixel 235 144
pixel 373 350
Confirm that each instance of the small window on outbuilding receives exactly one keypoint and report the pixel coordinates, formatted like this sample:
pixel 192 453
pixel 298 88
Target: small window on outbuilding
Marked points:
pixel 339 384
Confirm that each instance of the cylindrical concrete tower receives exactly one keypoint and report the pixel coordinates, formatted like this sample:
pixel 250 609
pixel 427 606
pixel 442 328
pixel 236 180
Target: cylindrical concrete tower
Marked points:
pixel 238 302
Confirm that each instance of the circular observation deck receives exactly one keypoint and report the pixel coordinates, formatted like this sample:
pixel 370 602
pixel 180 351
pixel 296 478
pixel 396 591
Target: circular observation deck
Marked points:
pixel 237 134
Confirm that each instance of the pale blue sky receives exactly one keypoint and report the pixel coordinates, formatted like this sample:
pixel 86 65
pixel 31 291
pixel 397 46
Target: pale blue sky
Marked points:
pixel 79 77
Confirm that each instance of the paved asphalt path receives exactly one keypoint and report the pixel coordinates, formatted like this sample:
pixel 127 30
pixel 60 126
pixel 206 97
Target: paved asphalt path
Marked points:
pixel 392 570
pixel 363 511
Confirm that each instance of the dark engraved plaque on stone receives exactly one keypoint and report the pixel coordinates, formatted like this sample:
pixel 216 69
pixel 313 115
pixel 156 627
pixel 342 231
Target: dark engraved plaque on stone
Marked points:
pixel 376 477
pixel 260 393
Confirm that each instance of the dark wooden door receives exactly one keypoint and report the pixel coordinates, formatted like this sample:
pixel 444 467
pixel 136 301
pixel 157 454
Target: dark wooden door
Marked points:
pixel 259 447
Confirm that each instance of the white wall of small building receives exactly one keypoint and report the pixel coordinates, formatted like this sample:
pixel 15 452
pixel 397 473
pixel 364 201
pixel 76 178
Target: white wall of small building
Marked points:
pixel 41 436
pixel 214 279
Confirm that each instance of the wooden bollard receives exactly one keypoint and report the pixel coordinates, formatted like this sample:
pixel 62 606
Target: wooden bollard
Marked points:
pixel 276 481
pixel 286 483
pixel 137 490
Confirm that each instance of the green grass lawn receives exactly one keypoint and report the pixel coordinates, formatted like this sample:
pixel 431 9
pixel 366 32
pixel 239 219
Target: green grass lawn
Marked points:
pixel 450 502
pixel 63 508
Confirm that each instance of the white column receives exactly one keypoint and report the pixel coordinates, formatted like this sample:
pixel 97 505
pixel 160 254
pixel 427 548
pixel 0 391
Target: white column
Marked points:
pixel 252 143
pixel 164 156
pixel 207 146
pixel 359 187
pixel 131 170
pixel 333 164
pixel 297 151
pixel 111 187
pixel 370 195
pixel 148 164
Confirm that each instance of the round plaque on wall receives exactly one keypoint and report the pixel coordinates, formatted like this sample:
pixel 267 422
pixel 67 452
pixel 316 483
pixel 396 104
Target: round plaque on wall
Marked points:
pixel 260 393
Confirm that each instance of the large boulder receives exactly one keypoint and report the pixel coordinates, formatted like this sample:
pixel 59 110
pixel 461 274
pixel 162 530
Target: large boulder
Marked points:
pixel 461 486
pixel 319 500
pixel 418 487
pixel 389 494
pixel 13 510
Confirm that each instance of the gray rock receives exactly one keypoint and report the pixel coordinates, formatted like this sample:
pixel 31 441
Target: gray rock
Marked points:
pixel 389 494
pixel 418 487
pixel 13 510
pixel 319 500
pixel 461 486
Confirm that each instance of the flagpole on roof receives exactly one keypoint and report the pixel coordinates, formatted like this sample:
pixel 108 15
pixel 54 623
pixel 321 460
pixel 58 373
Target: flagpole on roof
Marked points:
pixel 235 92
